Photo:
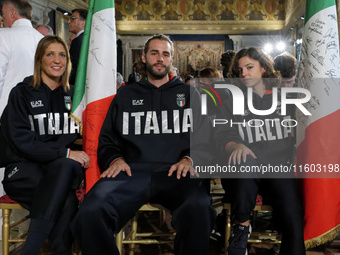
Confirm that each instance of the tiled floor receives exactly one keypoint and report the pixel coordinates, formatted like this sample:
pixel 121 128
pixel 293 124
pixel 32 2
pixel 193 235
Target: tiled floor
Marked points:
pixel 332 248
pixel 150 221
pixel 216 248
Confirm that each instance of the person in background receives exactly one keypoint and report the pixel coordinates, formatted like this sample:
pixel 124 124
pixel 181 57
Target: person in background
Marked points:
pixel 42 168
pixel 188 78
pixel 175 72
pixel 247 145
pixel 138 165
pixel 226 59
pixel 76 25
pixel 134 76
pixel 45 30
pixel 70 39
pixel 18 40
pixel 120 80
pixel 286 64
pixel 207 77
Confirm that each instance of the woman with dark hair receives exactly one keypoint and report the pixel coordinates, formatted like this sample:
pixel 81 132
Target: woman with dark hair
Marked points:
pixel 207 77
pixel 42 169
pixel 211 74
pixel 261 141
pixel 226 59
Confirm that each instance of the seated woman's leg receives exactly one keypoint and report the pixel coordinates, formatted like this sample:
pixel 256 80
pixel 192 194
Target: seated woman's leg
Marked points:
pixel 61 176
pixel 288 214
pixel 243 202
pixel 43 189
pixel 21 181
pixel 60 237
pixel 243 199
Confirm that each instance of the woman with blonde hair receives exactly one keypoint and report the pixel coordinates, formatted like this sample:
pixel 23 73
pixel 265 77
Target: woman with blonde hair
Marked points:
pixel 43 169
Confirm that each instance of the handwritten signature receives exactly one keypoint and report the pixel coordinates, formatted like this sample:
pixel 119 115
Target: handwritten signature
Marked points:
pixel 331 73
pixel 320 59
pixel 330 34
pixel 106 22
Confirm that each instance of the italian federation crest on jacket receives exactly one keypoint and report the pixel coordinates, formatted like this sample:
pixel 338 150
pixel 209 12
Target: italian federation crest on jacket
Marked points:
pixel 68 102
pixel 180 100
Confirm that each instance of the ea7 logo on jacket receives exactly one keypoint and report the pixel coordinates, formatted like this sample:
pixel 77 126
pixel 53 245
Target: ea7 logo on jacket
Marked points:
pixel 37 103
pixel 169 122
pixel 138 102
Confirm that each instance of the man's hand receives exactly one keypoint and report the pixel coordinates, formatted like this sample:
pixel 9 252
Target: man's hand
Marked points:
pixel 81 157
pixel 118 166
pixel 182 168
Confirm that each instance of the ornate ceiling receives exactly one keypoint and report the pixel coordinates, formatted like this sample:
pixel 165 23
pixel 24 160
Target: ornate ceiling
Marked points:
pixel 200 16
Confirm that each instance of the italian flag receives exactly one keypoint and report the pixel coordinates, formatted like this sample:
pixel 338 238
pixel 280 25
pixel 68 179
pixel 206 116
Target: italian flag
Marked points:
pixel 96 79
pixel 318 135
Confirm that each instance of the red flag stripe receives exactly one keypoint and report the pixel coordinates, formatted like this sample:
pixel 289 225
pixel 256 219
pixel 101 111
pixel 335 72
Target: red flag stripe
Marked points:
pixel 94 114
pixel 322 218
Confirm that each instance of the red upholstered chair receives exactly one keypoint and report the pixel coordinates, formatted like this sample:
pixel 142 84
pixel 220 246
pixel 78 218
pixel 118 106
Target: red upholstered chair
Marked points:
pixel 7 205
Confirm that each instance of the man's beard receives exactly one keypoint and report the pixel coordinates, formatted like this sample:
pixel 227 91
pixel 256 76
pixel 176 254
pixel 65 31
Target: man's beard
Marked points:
pixel 157 75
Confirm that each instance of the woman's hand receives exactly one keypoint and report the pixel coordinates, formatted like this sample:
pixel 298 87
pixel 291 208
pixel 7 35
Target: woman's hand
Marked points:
pixel 240 152
pixel 81 157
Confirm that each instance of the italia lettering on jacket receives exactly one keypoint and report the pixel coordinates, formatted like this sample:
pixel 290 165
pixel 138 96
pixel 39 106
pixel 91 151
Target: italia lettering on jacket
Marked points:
pixel 53 124
pixel 266 130
pixel 148 122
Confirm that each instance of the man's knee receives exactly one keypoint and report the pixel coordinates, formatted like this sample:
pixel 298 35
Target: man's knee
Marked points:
pixel 93 204
pixel 198 204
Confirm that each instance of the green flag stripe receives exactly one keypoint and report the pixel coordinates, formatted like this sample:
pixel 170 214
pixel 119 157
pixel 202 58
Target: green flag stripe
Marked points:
pixel 103 4
pixel 314 6
pixel 79 87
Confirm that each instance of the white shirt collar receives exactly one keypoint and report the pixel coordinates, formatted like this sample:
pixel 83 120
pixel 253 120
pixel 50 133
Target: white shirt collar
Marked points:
pixel 22 22
pixel 81 31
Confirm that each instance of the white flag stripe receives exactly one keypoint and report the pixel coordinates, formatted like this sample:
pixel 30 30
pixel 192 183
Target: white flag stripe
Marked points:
pixel 102 58
pixel 81 107
pixel 319 68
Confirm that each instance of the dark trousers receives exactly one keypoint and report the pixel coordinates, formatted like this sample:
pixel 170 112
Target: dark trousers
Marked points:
pixel 282 194
pixel 287 208
pixel 48 192
pixel 112 202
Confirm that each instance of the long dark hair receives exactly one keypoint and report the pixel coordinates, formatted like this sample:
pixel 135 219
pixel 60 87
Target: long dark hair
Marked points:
pixel 265 61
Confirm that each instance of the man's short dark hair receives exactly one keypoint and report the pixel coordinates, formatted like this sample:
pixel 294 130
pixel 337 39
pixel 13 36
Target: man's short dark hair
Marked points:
pixel 286 64
pixel 22 7
pixel 162 38
pixel 82 13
